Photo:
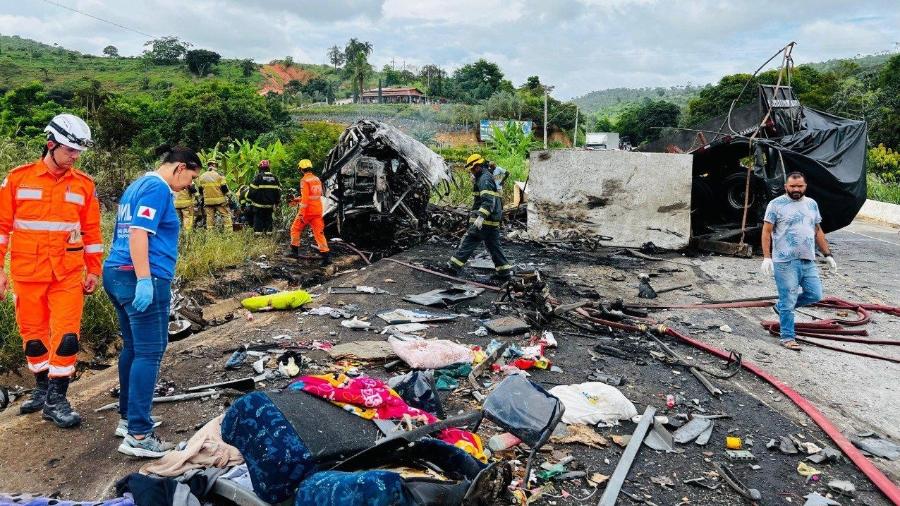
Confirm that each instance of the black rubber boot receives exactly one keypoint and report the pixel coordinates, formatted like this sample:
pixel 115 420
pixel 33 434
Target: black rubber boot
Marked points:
pixel 326 258
pixel 294 253
pixel 57 409
pixel 38 395
pixel 501 277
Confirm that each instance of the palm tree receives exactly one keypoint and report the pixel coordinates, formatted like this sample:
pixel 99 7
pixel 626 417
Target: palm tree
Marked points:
pixel 359 69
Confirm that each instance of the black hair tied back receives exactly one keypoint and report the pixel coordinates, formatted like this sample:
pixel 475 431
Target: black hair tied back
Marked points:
pixel 178 154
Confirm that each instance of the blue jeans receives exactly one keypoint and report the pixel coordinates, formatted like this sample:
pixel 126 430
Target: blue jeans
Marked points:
pixel 790 277
pixel 145 336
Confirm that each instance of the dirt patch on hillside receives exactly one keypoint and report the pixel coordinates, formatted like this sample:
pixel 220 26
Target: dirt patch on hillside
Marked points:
pixel 277 75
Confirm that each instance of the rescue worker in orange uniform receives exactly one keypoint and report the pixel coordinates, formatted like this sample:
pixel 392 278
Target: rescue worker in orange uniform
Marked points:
pixel 310 213
pixel 50 224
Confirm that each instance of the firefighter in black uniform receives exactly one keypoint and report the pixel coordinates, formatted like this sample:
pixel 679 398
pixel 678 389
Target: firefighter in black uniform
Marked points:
pixel 487 210
pixel 263 196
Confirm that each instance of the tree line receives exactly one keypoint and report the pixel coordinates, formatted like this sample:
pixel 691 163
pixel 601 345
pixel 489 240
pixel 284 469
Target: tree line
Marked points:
pixel 844 89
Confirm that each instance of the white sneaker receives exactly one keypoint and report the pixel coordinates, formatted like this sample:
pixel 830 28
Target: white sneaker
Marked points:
pixel 122 428
pixel 150 447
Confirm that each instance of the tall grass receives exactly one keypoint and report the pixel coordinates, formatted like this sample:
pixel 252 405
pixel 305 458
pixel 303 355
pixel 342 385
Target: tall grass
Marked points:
pixel 882 191
pixel 201 254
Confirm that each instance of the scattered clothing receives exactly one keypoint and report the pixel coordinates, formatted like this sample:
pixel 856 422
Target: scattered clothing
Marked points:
pixel 277 458
pixel 204 449
pixel 431 353
pixel 149 491
pixel 370 398
pixel 30 500
pixel 337 488
pixel 239 475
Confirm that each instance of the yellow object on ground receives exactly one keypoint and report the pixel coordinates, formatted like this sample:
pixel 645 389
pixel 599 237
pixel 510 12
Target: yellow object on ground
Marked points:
pixel 281 300
pixel 733 442
pixel 806 470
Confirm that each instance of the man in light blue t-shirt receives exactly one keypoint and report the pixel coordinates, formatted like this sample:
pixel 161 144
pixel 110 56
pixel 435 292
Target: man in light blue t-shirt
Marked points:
pixel 790 235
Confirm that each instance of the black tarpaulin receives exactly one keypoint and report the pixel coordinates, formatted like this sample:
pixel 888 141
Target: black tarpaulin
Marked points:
pixel 829 150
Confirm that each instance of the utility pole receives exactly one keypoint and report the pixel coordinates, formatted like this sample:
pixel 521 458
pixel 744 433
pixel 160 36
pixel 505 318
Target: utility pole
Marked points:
pixel 575 137
pixel 547 90
pixel 545 116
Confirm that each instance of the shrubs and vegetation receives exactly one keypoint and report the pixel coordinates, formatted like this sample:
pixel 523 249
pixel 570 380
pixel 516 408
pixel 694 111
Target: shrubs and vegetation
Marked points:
pixel 177 94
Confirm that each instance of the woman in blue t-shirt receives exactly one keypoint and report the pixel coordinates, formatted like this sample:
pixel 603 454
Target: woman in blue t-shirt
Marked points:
pixel 137 275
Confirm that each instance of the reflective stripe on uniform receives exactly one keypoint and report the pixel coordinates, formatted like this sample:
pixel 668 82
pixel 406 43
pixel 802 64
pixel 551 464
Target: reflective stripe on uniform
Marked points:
pixel 484 211
pixel 4 239
pixel 265 187
pixel 75 198
pixel 489 192
pixel 38 367
pixel 457 261
pixel 93 248
pixel 56 370
pixel 503 267
pixel 263 206
pixel 45 226
pixel 486 222
pixel 29 194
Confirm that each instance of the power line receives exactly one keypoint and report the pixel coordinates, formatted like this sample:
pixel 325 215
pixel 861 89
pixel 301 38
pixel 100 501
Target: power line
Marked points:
pixel 57 4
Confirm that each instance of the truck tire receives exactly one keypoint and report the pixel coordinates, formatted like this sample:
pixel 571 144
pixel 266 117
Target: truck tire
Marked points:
pixel 732 194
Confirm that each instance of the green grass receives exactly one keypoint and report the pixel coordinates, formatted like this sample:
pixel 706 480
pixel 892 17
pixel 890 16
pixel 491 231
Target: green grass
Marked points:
pixel 23 61
pixel 201 255
pixel 882 191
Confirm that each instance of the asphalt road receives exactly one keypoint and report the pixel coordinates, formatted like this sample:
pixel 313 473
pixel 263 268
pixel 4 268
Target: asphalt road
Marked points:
pixel 856 393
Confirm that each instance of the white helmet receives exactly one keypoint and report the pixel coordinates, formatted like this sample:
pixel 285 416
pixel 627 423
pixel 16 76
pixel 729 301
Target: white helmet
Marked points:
pixel 69 130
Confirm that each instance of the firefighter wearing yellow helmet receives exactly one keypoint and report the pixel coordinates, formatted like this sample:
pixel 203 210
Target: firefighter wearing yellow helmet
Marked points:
pixel 310 213
pixel 487 210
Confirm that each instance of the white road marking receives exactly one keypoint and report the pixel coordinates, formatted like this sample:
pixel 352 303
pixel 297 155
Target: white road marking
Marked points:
pixel 870 237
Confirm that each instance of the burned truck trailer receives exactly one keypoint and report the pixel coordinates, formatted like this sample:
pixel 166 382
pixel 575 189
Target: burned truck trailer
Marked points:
pixel 691 183
pixel 377 182
pixel 827 149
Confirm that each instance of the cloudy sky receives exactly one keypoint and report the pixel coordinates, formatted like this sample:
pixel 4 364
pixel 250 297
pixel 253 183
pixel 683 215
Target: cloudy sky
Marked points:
pixel 576 45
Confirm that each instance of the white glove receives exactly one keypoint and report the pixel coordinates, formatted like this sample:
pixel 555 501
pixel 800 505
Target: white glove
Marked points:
pixel 831 263
pixel 767 268
pixel 479 222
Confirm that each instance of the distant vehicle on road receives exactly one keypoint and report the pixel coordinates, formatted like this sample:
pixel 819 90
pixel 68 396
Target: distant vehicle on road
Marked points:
pixel 601 140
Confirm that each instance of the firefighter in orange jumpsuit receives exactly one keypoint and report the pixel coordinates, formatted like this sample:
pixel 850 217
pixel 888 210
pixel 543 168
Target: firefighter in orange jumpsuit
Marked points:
pixel 310 213
pixel 50 224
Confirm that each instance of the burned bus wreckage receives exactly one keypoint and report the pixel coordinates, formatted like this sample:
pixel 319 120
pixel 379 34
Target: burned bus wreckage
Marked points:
pixel 377 182
pixel 777 135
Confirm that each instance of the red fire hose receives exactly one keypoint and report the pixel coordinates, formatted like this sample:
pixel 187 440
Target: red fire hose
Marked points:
pixel 849 352
pixel 885 485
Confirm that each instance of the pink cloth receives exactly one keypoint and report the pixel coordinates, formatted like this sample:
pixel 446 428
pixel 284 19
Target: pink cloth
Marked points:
pixel 373 398
pixel 431 353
